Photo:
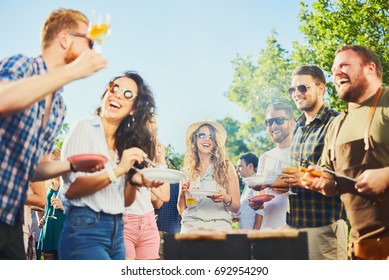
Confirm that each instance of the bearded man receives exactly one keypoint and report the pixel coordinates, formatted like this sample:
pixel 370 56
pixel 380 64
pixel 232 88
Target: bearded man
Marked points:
pixel 32 111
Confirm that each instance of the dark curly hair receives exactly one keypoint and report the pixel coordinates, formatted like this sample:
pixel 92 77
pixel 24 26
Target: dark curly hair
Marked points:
pixel 134 130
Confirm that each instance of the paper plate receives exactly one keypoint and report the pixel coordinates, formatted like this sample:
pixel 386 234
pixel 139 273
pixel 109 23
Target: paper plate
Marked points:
pixel 200 192
pixel 167 175
pixel 261 198
pixel 260 180
pixel 87 161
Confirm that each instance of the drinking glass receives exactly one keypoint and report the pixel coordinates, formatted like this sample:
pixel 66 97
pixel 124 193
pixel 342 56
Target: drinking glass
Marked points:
pixel 279 167
pixel 99 29
pixel 190 199
pixel 54 196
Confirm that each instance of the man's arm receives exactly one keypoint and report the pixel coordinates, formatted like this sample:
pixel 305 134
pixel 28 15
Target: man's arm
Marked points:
pixel 258 220
pixel 373 181
pixel 50 169
pixel 31 90
pixel 324 184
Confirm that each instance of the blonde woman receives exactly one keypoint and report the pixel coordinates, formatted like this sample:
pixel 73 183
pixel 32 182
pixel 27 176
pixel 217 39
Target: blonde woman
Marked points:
pixel 208 168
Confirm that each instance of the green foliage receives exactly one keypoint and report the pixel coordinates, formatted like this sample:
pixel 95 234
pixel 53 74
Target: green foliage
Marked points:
pixel 327 25
pixel 330 24
pixel 174 160
pixel 61 135
pixel 257 84
pixel 235 143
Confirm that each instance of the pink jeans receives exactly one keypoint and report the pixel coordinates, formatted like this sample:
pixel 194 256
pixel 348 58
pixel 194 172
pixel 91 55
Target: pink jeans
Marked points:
pixel 141 236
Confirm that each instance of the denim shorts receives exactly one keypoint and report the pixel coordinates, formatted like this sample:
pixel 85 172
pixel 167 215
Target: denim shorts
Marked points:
pixel 88 235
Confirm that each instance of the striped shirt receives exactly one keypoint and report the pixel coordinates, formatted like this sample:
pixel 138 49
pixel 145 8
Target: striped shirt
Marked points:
pixel 309 208
pixel 23 140
pixel 87 136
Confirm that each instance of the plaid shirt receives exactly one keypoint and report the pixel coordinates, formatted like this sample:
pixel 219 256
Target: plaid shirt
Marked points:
pixel 168 219
pixel 23 140
pixel 309 208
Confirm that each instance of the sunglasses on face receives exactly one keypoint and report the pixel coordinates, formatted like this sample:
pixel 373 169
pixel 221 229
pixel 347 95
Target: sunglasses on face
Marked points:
pixel 127 94
pixel 203 136
pixel 301 88
pixel 90 41
pixel 277 121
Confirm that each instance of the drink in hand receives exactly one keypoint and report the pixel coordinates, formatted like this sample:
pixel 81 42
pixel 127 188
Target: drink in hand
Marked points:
pixel 99 32
pixel 99 29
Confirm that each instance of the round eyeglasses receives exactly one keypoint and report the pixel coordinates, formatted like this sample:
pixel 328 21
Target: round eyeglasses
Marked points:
pixel 204 136
pixel 127 94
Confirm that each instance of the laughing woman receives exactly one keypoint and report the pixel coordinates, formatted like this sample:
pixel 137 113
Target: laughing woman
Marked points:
pixel 208 169
pixel 94 203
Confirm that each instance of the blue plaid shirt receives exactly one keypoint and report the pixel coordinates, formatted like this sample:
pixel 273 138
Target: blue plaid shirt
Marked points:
pixel 23 140
pixel 168 219
pixel 309 208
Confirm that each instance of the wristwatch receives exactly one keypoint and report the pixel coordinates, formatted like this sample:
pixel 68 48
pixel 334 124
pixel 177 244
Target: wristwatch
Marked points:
pixel 228 203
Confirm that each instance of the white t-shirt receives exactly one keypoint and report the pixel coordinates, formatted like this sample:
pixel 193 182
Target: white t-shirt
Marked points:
pixel 246 213
pixel 142 204
pixel 274 211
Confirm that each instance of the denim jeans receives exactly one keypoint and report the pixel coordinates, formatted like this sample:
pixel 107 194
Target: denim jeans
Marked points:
pixel 88 235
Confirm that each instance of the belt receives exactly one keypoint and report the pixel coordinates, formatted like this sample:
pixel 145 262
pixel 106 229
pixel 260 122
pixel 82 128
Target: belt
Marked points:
pixel 370 249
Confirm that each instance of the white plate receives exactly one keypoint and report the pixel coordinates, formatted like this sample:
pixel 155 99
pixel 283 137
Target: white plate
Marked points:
pixel 260 180
pixel 201 192
pixel 171 176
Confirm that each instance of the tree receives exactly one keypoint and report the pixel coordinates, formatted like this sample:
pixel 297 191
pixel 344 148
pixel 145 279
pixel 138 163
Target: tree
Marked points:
pixel 61 135
pixel 173 159
pixel 235 144
pixel 329 24
pixel 255 86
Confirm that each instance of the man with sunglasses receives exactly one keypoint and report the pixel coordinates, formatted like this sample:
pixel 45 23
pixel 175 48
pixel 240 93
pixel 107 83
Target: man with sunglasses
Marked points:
pixel 32 111
pixel 322 217
pixel 357 143
pixel 279 125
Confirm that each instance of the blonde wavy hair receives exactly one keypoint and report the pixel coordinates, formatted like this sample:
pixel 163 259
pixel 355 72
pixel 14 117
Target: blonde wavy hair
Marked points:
pixel 219 157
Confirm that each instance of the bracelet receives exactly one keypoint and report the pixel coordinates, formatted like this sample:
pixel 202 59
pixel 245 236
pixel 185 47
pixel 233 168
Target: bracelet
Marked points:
pixel 228 203
pixel 72 167
pixel 130 175
pixel 111 175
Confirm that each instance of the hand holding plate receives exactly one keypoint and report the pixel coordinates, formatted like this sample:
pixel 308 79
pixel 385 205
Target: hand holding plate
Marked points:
pixel 261 182
pixel 87 162
pixel 218 196
pixel 256 202
pixel 138 179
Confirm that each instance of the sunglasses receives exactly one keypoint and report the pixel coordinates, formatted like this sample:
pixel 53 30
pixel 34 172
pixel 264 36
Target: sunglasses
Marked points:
pixel 90 41
pixel 203 136
pixel 127 94
pixel 301 88
pixel 278 121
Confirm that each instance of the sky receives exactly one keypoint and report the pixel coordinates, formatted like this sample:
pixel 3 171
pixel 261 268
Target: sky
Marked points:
pixel 183 49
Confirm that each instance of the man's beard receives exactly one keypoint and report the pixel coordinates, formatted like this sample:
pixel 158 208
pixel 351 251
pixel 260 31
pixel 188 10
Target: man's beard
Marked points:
pixel 279 138
pixel 309 107
pixel 70 55
pixel 353 93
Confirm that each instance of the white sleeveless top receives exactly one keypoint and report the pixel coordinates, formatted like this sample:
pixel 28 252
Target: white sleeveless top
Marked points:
pixel 205 209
